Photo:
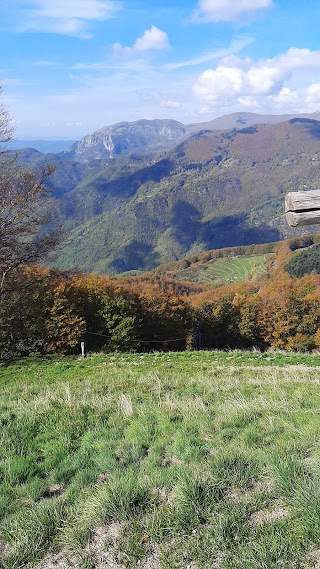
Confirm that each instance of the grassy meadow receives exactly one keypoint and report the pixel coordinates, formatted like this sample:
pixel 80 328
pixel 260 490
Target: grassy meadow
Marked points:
pixel 237 269
pixel 190 460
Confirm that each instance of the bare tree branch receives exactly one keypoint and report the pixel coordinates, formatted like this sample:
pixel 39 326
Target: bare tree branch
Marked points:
pixel 6 127
pixel 27 231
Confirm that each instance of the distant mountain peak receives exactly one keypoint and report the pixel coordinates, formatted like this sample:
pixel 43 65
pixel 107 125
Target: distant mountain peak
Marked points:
pixel 124 137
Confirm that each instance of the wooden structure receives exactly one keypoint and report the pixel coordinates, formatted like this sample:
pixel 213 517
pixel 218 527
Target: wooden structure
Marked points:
pixel 303 208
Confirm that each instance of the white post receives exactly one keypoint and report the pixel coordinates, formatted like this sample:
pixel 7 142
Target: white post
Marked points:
pixel 82 350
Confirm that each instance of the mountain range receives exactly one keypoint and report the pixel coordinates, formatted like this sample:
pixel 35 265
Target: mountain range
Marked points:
pixel 135 195
pixel 153 135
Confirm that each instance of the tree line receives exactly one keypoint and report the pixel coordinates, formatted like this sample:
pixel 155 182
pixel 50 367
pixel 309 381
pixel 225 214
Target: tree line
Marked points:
pixel 51 312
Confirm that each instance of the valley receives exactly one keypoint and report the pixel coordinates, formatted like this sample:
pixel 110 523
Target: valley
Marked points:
pixel 214 189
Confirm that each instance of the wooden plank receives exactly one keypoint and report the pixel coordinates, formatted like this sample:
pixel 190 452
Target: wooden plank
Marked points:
pixel 303 218
pixel 302 201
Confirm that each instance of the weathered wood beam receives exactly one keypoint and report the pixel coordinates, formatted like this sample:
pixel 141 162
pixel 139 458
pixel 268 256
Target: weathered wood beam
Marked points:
pixel 303 208
pixel 307 218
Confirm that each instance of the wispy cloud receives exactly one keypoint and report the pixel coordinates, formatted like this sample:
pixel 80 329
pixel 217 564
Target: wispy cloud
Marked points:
pixel 151 40
pixel 44 63
pixel 98 66
pixel 65 17
pixel 139 65
pixel 227 10
pixel 236 46
pixel 15 82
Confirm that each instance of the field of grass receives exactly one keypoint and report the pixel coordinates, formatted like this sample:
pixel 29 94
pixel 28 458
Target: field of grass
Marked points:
pixel 161 461
pixel 226 270
pixel 231 270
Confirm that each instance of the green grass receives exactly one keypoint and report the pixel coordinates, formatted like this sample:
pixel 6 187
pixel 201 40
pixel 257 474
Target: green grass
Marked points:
pixel 199 459
pixel 231 270
pixel 227 270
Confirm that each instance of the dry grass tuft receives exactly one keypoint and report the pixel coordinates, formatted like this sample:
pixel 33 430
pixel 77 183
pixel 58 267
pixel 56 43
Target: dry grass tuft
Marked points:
pixel 125 405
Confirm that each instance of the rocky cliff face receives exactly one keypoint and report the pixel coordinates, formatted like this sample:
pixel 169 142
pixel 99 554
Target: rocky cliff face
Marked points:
pixel 126 137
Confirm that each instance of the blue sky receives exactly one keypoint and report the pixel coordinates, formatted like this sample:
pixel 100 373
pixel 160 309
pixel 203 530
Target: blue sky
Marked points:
pixel 69 67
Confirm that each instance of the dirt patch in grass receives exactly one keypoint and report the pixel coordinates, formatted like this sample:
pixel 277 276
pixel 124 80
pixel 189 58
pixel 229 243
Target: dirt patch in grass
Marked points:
pixel 172 461
pixel 263 486
pixel 4 549
pixel 313 559
pixel 152 560
pixel 164 496
pixel 54 491
pixel 103 476
pixel 61 560
pixel 100 547
pixel 265 516
pixel 237 495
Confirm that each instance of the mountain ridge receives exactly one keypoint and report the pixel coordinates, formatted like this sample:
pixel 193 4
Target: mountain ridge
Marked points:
pixel 159 134
pixel 214 190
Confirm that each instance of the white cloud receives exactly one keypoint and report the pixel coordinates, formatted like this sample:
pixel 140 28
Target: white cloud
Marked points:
pixel 153 39
pixel 299 59
pixel 66 17
pixel 227 10
pixel 134 88
pixel 232 82
pixel 285 97
pixel 313 94
pixel 236 78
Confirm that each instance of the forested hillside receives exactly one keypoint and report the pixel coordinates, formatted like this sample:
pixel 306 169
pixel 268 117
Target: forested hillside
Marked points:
pixel 45 311
pixel 215 189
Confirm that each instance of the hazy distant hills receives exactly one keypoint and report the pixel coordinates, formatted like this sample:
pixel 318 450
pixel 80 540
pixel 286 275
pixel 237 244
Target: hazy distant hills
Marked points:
pixel 43 146
pixel 240 120
pixel 214 189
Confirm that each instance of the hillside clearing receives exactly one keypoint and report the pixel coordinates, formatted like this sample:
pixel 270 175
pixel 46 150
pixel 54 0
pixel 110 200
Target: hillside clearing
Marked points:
pixel 227 270
pixel 165 460
pixel 235 269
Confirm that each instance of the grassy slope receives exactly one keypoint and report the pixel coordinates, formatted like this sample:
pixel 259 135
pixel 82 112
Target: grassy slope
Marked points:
pixel 233 265
pixel 234 270
pixel 228 270
pixel 185 460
